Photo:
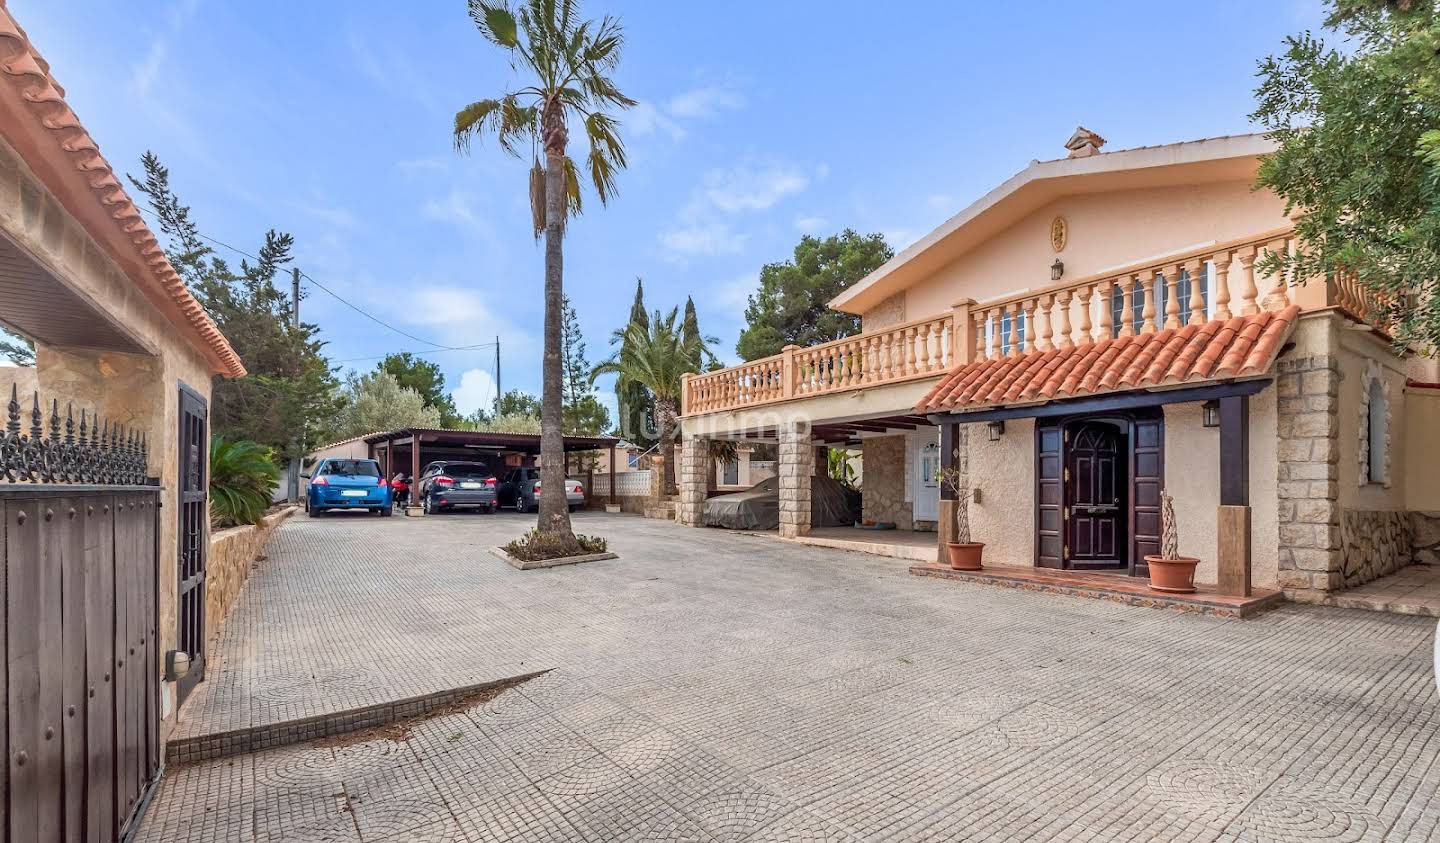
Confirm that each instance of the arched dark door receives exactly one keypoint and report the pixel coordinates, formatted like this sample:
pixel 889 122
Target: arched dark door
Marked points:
pixel 1096 495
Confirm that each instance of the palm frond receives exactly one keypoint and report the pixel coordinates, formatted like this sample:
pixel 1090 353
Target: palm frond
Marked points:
pixel 471 120
pixel 496 22
pixel 573 197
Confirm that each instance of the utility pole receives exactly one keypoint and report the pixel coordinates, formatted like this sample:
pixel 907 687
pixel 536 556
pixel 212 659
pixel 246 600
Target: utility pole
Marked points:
pixel 498 391
pixel 293 493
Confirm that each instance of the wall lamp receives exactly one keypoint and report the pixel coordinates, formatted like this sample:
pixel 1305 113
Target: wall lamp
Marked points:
pixel 996 429
pixel 1210 413
pixel 1057 269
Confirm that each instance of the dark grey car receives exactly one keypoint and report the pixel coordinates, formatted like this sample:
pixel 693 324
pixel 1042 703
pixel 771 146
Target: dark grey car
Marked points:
pixel 450 485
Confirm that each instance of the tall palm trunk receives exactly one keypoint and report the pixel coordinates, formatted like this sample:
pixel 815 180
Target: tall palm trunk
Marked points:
pixel 554 513
pixel 665 409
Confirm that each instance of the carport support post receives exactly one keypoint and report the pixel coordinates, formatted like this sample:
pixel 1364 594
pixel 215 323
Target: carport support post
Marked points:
pixel 613 469
pixel 414 508
pixel 797 469
pixel 1232 551
pixel 694 455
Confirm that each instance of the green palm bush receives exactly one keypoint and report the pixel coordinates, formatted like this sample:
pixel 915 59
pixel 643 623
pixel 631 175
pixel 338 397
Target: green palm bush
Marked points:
pixel 243 478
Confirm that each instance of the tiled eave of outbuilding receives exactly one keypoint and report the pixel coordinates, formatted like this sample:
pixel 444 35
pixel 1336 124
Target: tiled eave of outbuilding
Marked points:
pixel 41 126
pixel 1193 355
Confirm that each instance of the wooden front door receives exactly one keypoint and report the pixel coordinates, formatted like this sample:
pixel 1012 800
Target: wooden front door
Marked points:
pixel 1096 484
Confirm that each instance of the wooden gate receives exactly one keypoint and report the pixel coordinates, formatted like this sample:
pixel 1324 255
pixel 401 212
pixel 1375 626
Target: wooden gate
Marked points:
pixel 190 614
pixel 81 662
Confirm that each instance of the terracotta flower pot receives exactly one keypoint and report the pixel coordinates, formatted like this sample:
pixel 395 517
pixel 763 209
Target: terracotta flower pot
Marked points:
pixel 1172 575
pixel 965 556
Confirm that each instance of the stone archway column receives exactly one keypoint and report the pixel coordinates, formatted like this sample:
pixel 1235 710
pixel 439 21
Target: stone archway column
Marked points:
pixel 797 467
pixel 693 478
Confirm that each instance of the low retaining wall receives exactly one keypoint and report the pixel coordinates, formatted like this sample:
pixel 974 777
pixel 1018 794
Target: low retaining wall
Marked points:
pixel 232 557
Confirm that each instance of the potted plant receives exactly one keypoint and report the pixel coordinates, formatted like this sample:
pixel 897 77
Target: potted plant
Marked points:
pixel 1170 571
pixel 965 555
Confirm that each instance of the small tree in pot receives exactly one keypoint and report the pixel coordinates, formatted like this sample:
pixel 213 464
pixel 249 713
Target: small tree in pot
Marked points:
pixel 965 555
pixel 1170 571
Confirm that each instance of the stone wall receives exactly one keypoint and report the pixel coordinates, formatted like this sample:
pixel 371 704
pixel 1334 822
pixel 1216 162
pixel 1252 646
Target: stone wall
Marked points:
pixel 233 555
pixel 1373 544
pixel 1308 456
pixel 1425 537
pixel 882 492
pixel 797 468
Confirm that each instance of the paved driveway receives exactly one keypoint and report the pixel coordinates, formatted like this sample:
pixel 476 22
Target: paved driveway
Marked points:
pixel 710 686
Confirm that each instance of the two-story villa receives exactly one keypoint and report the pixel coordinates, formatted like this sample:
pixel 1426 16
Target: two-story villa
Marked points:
pixel 1092 331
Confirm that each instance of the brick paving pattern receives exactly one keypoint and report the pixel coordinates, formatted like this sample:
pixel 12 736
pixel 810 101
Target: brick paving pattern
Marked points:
pixel 715 687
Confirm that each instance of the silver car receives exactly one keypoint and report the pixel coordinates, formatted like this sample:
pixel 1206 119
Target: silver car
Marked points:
pixel 521 490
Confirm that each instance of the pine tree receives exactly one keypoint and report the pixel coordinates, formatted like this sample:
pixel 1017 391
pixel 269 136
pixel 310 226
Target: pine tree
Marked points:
pixel 637 408
pixel 290 388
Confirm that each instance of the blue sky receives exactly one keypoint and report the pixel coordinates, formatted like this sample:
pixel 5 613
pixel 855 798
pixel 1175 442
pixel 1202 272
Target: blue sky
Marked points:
pixel 758 122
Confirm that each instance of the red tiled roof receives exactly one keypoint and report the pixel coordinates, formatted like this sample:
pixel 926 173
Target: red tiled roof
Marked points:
pixel 88 176
pixel 1238 347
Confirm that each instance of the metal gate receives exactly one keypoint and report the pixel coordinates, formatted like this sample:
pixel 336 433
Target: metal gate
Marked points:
pixel 81 662
pixel 190 614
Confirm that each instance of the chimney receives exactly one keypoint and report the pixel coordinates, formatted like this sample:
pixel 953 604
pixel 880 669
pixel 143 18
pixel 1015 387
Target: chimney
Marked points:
pixel 1084 143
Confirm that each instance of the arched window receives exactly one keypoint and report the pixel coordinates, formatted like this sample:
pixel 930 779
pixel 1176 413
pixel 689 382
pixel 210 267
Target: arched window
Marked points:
pixel 1377 426
pixel 1374 428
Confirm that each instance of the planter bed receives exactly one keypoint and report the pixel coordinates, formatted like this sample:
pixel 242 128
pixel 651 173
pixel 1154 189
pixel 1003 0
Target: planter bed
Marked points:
pixel 550 563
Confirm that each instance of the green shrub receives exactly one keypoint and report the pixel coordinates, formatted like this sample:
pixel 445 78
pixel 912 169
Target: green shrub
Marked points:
pixel 536 546
pixel 243 478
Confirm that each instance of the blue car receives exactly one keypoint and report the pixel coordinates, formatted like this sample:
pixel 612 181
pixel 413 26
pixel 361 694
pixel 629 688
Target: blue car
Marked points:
pixel 348 484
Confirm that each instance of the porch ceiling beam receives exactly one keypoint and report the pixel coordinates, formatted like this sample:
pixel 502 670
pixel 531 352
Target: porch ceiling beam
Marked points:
pixel 1106 403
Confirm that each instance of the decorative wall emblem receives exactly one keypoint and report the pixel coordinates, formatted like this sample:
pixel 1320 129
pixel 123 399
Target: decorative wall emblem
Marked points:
pixel 1059 234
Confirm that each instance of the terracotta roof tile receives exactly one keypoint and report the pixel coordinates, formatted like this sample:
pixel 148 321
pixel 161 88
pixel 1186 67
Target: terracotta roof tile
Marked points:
pixel 22 67
pixel 1238 347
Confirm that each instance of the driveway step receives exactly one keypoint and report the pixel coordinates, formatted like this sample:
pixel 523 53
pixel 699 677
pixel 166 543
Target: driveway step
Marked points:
pixel 1118 588
pixel 240 741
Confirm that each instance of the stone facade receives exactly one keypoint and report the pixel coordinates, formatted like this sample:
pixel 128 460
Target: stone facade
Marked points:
pixel 1373 544
pixel 889 312
pixel 233 554
pixel 1308 457
pixel 797 467
pixel 1425 537
pixel 882 492
pixel 693 476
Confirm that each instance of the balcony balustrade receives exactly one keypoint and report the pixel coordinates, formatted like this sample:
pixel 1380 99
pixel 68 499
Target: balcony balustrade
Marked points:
pixel 1213 283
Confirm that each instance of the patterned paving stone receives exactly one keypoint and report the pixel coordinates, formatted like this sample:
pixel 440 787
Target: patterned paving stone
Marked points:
pixel 707 686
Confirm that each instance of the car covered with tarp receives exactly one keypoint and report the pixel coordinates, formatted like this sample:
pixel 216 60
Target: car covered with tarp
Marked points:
pixel 758 507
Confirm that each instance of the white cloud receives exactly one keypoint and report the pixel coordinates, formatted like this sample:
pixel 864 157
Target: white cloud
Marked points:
pixel 442 305
pixel 648 118
pixel 704 102
pixel 747 187
pixel 144 73
pixel 899 238
pixel 476 390
pixel 734 295
pixel 941 202
pixel 752 188
pixel 645 119
pixel 810 225
pixel 702 238
pixel 335 216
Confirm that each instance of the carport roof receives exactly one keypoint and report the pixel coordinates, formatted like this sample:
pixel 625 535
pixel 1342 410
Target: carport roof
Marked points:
pixel 528 442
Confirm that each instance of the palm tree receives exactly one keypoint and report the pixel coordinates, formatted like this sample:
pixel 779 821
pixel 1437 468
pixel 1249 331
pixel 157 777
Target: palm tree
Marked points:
pixel 568 61
pixel 653 355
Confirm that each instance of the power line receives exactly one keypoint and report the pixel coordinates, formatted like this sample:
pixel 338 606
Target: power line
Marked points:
pixel 417 353
pixel 437 346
